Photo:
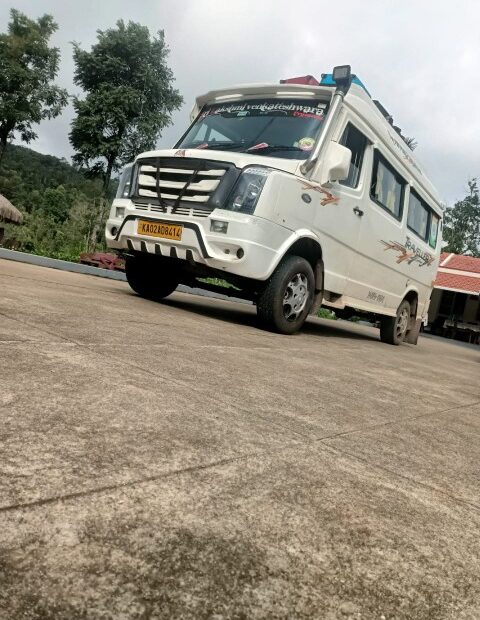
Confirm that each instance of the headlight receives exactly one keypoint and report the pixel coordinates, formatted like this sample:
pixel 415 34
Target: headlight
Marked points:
pixel 246 192
pixel 125 182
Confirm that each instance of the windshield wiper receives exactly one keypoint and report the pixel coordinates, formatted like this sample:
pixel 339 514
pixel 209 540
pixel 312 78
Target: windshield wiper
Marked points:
pixel 275 147
pixel 263 148
pixel 224 146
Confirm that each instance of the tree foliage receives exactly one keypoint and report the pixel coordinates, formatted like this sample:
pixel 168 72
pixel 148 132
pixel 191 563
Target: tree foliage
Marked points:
pixel 129 97
pixel 462 223
pixel 28 67
pixel 410 142
pixel 64 213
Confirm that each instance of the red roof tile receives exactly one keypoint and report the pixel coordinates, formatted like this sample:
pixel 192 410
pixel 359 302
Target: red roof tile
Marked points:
pixel 462 263
pixel 467 284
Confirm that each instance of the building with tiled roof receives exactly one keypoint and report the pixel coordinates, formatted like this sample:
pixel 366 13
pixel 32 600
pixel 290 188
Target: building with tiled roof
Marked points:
pixel 455 303
pixel 9 214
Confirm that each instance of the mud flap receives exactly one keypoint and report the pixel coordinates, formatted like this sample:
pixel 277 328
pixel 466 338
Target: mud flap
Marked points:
pixel 412 335
pixel 318 297
pixel 317 302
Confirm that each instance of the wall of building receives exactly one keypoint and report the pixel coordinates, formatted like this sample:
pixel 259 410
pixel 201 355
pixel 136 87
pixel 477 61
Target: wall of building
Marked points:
pixel 434 304
pixel 471 310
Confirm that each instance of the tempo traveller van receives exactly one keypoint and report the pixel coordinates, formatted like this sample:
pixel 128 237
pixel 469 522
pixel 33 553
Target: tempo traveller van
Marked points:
pixel 298 194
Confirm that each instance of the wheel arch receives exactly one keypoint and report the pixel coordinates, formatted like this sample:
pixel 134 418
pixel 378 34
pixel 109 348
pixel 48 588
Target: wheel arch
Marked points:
pixel 309 248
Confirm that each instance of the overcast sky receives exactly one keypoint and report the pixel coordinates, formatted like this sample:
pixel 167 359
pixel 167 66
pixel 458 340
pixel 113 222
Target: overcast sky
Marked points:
pixel 420 58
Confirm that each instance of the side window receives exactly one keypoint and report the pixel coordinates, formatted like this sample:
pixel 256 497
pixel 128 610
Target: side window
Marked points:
pixel 434 226
pixel 354 140
pixel 422 220
pixel 388 187
pixel 418 213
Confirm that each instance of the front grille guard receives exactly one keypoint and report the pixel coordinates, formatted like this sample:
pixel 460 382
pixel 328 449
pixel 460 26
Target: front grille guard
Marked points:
pixel 218 197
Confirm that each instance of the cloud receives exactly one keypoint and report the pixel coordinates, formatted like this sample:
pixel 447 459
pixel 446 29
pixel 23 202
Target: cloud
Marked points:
pixel 419 59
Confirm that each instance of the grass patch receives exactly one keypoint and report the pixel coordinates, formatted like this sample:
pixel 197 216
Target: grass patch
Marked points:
pixel 323 313
pixel 217 282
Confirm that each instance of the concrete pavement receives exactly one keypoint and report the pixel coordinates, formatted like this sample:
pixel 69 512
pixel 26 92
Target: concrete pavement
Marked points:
pixel 174 461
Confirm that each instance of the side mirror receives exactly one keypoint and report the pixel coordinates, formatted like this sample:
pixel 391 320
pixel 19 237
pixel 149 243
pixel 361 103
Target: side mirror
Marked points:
pixel 336 163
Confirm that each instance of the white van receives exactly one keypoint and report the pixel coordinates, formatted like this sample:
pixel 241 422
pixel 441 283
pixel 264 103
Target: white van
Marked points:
pixel 298 194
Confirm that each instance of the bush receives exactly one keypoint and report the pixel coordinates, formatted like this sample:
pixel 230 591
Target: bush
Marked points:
pixel 324 313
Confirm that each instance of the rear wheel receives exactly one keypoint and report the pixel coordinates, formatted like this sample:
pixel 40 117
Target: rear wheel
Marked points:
pixel 150 277
pixel 284 303
pixel 393 329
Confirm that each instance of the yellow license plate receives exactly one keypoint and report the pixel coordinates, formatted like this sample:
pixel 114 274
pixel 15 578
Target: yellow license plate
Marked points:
pixel 160 229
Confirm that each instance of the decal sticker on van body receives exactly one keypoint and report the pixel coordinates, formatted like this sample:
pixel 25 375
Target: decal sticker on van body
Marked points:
pixel 409 253
pixel 329 198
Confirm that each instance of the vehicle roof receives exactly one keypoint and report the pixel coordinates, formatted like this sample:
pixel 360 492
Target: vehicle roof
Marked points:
pixel 357 99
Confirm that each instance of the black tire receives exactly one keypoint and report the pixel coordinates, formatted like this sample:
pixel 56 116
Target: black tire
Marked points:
pixel 392 328
pixel 149 278
pixel 272 308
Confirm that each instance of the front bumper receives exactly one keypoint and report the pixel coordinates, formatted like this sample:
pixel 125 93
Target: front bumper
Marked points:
pixel 262 242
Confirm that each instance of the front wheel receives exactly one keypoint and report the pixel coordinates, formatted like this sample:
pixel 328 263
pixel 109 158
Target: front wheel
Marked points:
pixel 148 279
pixel 285 301
pixel 393 329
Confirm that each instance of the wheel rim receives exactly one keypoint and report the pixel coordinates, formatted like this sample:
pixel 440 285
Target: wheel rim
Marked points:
pixel 295 297
pixel 402 323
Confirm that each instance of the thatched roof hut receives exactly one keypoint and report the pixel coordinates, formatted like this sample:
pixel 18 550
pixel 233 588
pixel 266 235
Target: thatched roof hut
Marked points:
pixel 9 213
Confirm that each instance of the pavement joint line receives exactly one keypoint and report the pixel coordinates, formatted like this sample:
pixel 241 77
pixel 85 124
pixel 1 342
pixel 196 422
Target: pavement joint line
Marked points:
pixel 241 409
pixel 188 385
pixel 122 485
pixel 425 485
pixel 399 422
pixel 195 346
pixel 203 467
pixel 40 329
pixel 179 382
pixel 310 441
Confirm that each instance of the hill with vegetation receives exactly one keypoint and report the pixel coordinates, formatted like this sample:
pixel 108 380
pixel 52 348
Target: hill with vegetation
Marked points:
pixel 64 212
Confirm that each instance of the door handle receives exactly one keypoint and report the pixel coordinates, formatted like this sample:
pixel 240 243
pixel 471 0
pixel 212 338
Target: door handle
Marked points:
pixel 358 211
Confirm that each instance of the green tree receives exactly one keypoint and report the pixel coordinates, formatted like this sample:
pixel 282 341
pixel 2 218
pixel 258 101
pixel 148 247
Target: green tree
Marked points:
pixel 57 202
pixel 462 223
pixel 28 67
pixel 129 98
pixel 410 142
pixel 64 213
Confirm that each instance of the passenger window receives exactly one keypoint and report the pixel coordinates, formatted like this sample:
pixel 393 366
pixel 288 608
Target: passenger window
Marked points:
pixel 422 220
pixel 434 226
pixel 417 215
pixel 387 187
pixel 356 142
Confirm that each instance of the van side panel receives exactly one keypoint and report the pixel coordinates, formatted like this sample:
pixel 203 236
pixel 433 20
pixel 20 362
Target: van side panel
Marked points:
pixel 329 215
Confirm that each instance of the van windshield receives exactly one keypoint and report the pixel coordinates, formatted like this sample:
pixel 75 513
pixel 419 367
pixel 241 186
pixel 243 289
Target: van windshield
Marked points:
pixel 285 128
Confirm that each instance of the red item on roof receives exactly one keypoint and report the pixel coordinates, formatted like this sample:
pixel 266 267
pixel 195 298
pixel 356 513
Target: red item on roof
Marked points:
pixel 303 79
